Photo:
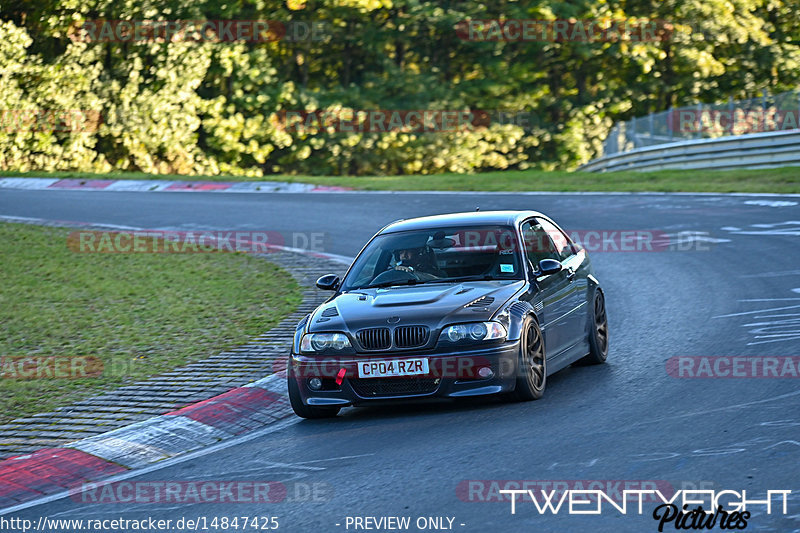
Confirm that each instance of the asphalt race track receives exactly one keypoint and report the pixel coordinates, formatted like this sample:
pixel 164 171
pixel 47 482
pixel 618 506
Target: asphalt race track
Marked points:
pixel 730 286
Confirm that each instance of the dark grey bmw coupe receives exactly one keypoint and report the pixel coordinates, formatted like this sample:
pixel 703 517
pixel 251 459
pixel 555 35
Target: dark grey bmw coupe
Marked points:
pixel 455 305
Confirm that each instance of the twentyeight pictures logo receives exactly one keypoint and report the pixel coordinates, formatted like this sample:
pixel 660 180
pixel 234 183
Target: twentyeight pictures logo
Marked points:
pixel 685 509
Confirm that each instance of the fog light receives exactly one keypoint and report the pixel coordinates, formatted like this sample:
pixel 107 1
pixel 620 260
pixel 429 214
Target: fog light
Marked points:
pixel 485 372
pixel 315 383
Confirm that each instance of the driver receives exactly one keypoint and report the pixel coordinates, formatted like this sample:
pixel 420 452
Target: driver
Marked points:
pixel 409 259
pixel 419 261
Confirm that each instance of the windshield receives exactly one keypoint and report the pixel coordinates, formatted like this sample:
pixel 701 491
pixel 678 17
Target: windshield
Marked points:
pixel 439 255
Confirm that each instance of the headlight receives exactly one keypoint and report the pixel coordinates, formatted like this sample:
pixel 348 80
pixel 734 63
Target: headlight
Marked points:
pixel 320 342
pixel 477 331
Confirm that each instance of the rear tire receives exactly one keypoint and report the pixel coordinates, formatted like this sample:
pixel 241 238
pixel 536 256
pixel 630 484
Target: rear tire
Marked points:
pixel 307 411
pixel 598 334
pixel 532 366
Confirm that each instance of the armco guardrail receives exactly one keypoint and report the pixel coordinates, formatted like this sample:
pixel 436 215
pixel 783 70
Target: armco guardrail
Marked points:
pixel 755 150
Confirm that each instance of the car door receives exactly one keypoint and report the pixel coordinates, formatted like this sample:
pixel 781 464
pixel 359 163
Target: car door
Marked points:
pixel 575 272
pixel 548 294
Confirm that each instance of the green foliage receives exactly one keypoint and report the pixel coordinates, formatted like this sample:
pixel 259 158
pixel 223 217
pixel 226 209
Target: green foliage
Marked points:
pixel 215 107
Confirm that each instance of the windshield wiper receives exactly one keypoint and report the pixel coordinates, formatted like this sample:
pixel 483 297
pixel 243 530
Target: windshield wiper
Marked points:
pixel 394 284
pixel 480 277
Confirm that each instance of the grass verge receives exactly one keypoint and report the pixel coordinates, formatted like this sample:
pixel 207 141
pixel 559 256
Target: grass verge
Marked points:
pixel 122 316
pixel 779 180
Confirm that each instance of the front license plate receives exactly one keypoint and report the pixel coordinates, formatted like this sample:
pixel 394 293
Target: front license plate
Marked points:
pixel 395 368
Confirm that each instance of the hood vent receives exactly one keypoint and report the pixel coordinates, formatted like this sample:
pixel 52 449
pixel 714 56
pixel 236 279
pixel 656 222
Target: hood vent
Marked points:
pixel 465 289
pixel 327 313
pixel 483 301
pixel 411 336
pixel 374 339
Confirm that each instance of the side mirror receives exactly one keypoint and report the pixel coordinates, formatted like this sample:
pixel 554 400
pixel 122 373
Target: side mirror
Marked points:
pixel 328 282
pixel 549 266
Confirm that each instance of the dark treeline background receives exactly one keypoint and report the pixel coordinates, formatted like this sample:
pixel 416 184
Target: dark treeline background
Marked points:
pixel 210 108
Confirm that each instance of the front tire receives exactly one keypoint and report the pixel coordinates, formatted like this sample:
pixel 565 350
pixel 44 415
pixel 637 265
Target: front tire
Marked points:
pixel 598 334
pixel 532 368
pixel 306 411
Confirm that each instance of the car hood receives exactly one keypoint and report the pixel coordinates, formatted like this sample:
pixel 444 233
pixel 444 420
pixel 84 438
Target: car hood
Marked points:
pixel 434 305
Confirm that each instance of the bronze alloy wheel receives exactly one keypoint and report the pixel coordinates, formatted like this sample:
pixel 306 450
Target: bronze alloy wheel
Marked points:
pixel 601 323
pixel 598 332
pixel 533 365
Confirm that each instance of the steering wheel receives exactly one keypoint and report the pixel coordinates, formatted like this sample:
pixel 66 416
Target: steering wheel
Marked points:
pixel 391 276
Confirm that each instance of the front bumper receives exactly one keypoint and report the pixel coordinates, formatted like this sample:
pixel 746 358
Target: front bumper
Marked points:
pixel 451 375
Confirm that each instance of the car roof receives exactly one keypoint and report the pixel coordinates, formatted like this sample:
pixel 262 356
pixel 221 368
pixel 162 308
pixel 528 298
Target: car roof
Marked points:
pixel 498 218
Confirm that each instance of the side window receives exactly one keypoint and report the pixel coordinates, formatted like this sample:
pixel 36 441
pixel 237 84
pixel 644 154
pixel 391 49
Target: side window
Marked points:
pixel 562 243
pixel 538 244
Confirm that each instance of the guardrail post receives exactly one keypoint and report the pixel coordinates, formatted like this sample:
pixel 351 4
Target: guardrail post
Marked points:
pixel 613 144
pixel 732 118
pixel 699 119
pixel 633 130
pixel 650 119
pixel 671 123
